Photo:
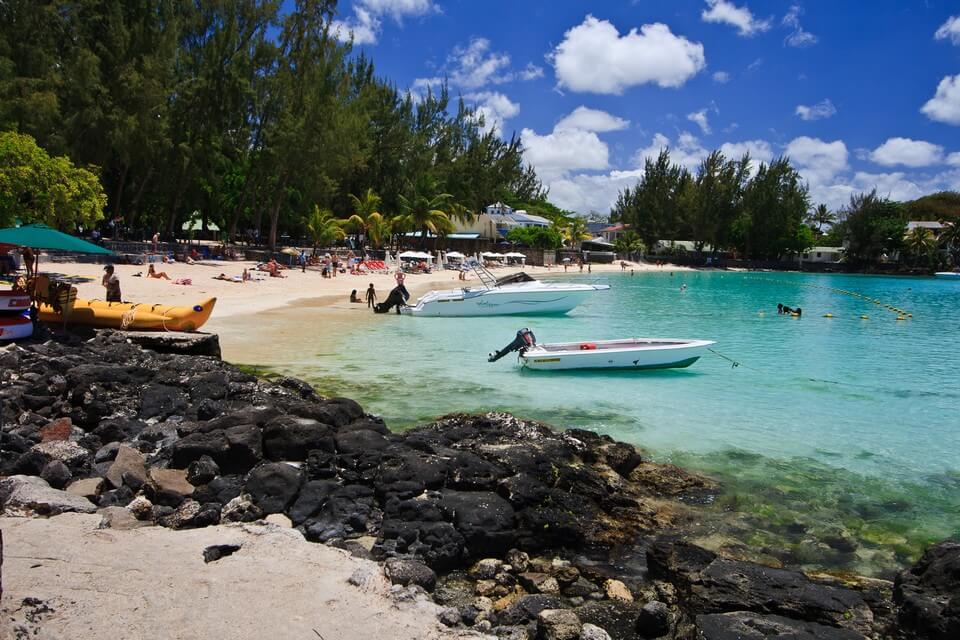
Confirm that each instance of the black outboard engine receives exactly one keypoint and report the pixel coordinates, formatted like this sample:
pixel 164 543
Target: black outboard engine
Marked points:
pixel 395 299
pixel 524 340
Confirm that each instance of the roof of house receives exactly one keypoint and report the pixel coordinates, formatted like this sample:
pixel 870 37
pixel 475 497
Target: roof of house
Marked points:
pixel 825 250
pixel 529 217
pixel 612 228
pixel 926 224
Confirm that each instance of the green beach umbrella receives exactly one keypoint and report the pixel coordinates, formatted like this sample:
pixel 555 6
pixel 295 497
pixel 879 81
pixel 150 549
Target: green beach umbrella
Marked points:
pixel 40 236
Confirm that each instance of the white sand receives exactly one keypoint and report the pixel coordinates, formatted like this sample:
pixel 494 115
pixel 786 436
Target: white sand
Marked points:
pixel 153 583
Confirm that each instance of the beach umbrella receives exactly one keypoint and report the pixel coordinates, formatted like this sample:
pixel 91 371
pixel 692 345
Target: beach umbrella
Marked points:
pixel 196 224
pixel 40 236
pixel 290 251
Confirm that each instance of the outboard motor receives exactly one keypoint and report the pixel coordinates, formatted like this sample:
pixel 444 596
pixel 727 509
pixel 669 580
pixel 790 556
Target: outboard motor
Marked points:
pixel 524 340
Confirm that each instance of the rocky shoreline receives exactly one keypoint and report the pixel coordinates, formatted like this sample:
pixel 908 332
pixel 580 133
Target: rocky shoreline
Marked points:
pixel 517 530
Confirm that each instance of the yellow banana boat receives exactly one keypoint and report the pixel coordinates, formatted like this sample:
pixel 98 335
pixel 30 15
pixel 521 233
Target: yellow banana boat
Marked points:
pixel 134 317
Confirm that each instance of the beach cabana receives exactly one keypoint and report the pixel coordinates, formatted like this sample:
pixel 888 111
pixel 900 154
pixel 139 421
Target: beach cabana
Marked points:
pixel 455 256
pixel 418 256
pixel 515 257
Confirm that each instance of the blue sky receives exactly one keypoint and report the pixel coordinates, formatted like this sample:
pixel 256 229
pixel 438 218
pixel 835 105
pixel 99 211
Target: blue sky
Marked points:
pixel 858 94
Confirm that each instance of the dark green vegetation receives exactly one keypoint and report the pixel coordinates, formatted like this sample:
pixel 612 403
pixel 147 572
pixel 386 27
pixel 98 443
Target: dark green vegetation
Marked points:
pixel 252 114
pixel 722 206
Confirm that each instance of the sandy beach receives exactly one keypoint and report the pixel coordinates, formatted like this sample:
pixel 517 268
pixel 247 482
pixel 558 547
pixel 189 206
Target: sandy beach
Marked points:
pixel 268 315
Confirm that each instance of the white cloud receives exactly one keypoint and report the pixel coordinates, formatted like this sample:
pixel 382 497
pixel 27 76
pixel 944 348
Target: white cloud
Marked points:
pixel 819 111
pixel 907 152
pixel 740 17
pixel 949 30
pixel 721 77
pixel 756 64
pixel 944 106
pixel 584 193
pixel 818 161
pixel 594 57
pixel 954 159
pixel 564 150
pixel 890 185
pixel 687 152
pixel 759 150
pixel 587 119
pixel 398 9
pixel 495 109
pixel 798 37
pixel 476 65
pixel 365 25
pixel 363 28
pixel 701 120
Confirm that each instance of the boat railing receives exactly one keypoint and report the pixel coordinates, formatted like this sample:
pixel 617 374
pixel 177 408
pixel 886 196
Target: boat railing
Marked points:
pixel 486 277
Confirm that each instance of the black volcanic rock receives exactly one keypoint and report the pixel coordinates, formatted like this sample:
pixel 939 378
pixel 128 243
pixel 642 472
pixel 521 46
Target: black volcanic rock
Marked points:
pixel 929 594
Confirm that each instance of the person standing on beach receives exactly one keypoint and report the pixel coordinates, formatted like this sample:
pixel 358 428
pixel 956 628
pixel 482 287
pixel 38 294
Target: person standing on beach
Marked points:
pixel 29 259
pixel 371 296
pixel 156 240
pixel 111 283
pixel 399 276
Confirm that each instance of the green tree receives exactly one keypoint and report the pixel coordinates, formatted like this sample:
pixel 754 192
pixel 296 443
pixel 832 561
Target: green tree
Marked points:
pixel 536 237
pixel 323 228
pixel 819 217
pixel 379 229
pixel 774 205
pixel 950 239
pixel 629 243
pixel 363 207
pixel 921 244
pixel 652 208
pixel 425 210
pixel 37 188
pixel 873 227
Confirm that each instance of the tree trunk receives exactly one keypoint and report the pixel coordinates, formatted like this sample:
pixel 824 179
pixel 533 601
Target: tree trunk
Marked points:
pixel 118 194
pixel 135 205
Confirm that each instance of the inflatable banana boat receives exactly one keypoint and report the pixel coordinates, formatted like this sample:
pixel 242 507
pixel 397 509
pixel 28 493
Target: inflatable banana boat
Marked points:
pixel 133 317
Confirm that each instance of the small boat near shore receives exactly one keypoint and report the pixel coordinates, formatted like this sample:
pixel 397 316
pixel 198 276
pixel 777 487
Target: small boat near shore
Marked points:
pixel 134 317
pixel 947 275
pixel 517 294
pixel 15 327
pixel 626 353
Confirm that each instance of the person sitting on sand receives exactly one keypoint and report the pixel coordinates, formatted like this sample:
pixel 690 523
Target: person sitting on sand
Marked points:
pixel 246 275
pixel 274 269
pixel 354 297
pixel 153 273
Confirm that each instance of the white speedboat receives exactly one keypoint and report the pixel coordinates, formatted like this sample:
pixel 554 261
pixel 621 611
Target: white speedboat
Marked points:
pixel 947 275
pixel 627 353
pixel 513 295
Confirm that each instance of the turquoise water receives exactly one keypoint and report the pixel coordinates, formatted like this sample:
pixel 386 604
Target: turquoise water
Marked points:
pixel 846 426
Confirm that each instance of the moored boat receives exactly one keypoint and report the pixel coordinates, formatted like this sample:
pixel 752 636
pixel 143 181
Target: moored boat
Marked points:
pixel 626 353
pixel 947 275
pixel 517 294
pixel 135 317
pixel 13 302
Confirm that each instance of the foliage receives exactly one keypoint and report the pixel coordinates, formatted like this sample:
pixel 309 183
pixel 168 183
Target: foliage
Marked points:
pixel 872 226
pixel 921 244
pixel 536 237
pixel 950 239
pixel 573 230
pixel 774 204
pixel 323 228
pixel 628 243
pixel 944 205
pixel 821 215
pixel 249 110
pixel 653 206
pixel 35 187
pixel 424 211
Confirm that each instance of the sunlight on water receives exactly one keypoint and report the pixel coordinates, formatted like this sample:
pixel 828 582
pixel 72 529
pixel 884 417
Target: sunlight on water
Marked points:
pixel 867 407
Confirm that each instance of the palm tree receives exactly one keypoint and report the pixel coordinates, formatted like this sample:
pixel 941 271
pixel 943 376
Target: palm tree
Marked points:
pixel 424 210
pixel 363 207
pixel 821 216
pixel 920 242
pixel 576 231
pixel 950 239
pixel 379 229
pixel 323 227
pixel 629 244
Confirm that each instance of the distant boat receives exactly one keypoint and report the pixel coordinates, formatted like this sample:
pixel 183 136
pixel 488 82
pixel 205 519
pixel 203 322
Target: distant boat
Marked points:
pixel 947 275
pixel 626 353
pixel 517 294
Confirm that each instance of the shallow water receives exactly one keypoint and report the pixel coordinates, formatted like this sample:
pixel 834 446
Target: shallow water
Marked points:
pixel 827 425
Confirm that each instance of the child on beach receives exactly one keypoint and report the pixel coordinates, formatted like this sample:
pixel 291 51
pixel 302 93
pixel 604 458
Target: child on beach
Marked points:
pixel 371 296
pixel 111 283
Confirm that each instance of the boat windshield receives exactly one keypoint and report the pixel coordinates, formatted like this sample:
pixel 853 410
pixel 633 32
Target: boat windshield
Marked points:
pixel 520 276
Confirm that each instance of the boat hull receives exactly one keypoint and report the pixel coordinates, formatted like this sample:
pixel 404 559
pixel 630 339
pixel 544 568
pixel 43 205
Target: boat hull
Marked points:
pixel 635 354
pixel 13 302
pixel 133 317
pixel 947 275
pixel 15 327
pixel 502 302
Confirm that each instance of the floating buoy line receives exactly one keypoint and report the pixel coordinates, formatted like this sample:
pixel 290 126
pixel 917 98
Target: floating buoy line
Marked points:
pixel 902 314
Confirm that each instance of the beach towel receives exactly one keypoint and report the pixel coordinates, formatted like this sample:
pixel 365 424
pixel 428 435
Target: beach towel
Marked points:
pixel 184 281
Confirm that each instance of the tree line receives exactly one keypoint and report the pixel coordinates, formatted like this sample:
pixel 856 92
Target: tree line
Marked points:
pixel 724 204
pixel 250 111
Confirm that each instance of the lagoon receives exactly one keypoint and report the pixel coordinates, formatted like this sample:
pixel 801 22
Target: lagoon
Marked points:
pixel 828 429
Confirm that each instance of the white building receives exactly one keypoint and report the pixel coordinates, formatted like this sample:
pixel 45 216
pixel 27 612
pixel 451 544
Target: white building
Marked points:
pixel 823 254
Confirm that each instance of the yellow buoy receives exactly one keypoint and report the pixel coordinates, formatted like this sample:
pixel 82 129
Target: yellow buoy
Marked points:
pixel 900 318
pixel 909 315
pixel 828 315
pixel 864 317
